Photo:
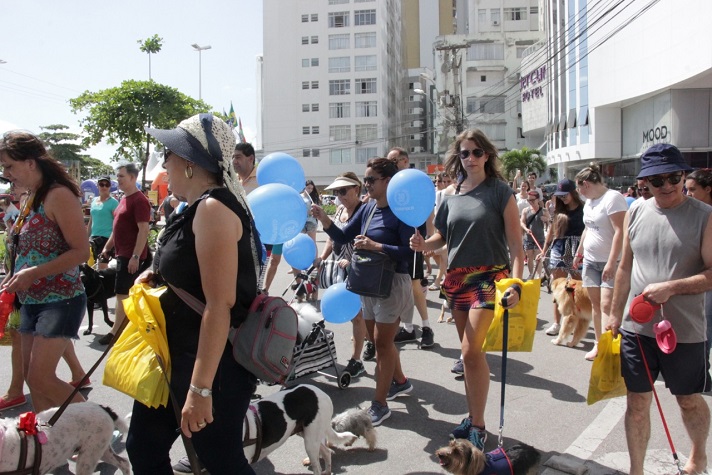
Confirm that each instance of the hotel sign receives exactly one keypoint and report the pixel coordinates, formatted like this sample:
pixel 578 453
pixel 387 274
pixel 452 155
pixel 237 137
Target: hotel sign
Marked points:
pixel 531 85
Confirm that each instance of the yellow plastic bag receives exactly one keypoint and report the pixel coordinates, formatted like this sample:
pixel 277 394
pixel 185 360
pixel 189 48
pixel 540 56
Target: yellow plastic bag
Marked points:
pixel 132 366
pixel 606 380
pixel 522 318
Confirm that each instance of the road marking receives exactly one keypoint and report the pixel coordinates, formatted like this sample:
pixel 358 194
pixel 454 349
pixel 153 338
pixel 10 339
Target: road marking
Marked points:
pixel 589 440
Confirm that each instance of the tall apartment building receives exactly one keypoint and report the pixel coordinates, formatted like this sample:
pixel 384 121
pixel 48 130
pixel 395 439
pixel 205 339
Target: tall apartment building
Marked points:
pixel 331 75
pixel 477 72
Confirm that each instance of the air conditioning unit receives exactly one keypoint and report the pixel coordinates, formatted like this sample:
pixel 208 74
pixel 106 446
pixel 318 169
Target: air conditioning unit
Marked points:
pixel 495 22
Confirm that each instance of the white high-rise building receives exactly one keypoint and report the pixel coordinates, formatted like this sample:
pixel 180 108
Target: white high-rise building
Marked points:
pixel 331 82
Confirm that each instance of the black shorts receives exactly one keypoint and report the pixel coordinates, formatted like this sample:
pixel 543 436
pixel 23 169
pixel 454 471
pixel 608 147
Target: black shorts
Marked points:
pixel 97 244
pixel 686 370
pixel 419 271
pixel 124 280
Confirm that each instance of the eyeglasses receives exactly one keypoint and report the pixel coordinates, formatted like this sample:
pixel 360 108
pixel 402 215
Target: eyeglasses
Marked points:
pixel 645 188
pixel 477 153
pixel 370 180
pixel 341 191
pixel 657 181
pixel 104 185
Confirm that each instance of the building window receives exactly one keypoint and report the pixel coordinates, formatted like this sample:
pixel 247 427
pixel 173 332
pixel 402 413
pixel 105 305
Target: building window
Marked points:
pixel 339 110
pixel 520 51
pixel 339 132
pixel 338 2
pixel 515 14
pixel 315 107
pixel 306 152
pixel 485 51
pixel 339 87
pixel 341 156
pixel 305 40
pixel 341 64
pixel 315 85
pixel 365 63
pixel 305 18
pixel 314 40
pixel 495 16
pixel 338 19
pixel 305 84
pixel 315 130
pixel 366 132
pixel 482 17
pixel 483 78
pixel 367 109
pixel 315 62
pixel 365 40
pixel 534 11
pixel 305 62
pixel 364 17
pixel 340 41
pixel 314 17
pixel 305 107
pixel 366 86
pixel 485 105
pixel 305 130
pixel 315 152
pixel 494 131
pixel 364 153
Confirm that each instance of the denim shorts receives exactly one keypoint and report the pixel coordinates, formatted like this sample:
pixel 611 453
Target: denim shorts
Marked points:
pixel 592 275
pixel 54 320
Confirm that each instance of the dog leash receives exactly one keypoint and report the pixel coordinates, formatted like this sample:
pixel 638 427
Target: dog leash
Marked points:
pixel 660 408
pixel 505 345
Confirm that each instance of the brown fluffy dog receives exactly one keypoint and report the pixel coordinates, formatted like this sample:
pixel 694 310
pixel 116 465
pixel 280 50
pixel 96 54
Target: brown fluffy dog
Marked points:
pixel 575 309
pixel 463 458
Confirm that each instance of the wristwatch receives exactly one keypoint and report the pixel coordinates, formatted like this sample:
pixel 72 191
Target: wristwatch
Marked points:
pixel 135 256
pixel 203 392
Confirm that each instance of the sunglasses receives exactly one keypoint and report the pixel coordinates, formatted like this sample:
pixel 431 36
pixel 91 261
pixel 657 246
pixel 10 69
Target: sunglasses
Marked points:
pixel 370 180
pixel 658 181
pixel 533 201
pixel 645 188
pixel 477 153
pixel 341 191
pixel 104 185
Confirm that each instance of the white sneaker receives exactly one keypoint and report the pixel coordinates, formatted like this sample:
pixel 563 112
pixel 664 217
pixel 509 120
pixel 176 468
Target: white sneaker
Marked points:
pixel 553 329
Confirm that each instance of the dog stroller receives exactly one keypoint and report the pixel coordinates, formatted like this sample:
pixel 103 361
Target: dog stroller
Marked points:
pixel 315 349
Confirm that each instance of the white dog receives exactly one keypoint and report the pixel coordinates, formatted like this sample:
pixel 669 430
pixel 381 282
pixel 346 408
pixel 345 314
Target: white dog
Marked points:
pixel 84 428
pixel 302 409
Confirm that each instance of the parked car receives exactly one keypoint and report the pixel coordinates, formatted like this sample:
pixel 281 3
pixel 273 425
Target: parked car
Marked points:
pixel 328 200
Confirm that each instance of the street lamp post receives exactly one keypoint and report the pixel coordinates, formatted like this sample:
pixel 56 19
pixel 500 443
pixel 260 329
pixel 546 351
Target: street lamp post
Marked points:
pixel 200 50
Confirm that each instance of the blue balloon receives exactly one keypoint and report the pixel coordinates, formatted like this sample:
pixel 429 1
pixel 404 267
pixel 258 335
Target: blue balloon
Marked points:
pixel 279 167
pixel 411 196
pixel 279 212
pixel 300 252
pixel 339 305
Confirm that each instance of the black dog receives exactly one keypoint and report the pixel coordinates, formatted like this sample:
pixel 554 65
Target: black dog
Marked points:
pixel 463 458
pixel 99 286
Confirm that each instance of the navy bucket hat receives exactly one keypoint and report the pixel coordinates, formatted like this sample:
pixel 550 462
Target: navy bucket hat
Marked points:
pixel 662 158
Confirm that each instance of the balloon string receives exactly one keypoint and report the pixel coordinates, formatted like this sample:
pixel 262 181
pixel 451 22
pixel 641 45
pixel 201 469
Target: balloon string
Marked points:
pixel 415 255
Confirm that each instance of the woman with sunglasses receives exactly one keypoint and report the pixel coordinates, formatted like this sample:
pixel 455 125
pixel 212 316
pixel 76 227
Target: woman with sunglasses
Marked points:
pixel 101 219
pixel 374 227
pixel 49 242
pixel 479 222
pixel 532 221
pixel 310 195
pixel 347 189
pixel 600 245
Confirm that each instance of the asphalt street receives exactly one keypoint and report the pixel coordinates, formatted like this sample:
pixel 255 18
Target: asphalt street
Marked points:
pixel 545 405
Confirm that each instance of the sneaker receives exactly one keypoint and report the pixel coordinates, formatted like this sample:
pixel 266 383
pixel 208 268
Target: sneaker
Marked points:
pixel 427 338
pixel 591 355
pixel 478 437
pixel 183 466
pixel 378 413
pixel 369 351
pixel 463 430
pixel 106 339
pixel 404 336
pixel 10 403
pixel 399 389
pixel 354 368
pixel 553 329
pixel 458 368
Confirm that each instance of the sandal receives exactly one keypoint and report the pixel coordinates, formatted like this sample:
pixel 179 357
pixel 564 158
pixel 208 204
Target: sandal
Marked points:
pixel 434 287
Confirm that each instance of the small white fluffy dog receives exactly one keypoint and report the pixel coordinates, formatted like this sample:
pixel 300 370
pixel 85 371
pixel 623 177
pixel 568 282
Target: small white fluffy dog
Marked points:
pixel 84 428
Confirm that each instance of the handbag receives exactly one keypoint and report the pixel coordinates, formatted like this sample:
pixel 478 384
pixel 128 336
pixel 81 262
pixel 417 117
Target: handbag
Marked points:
pixel 331 273
pixel 606 380
pixel 371 272
pixel 522 318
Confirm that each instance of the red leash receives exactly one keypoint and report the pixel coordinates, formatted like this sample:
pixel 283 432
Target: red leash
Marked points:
pixel 660 408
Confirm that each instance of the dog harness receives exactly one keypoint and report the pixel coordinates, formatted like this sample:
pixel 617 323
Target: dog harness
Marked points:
pixel 497 463
pixel 256 440
pixel 27 426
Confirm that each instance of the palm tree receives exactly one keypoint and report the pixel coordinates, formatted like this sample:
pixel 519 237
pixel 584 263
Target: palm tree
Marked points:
pixel 526 160
pixel 150 45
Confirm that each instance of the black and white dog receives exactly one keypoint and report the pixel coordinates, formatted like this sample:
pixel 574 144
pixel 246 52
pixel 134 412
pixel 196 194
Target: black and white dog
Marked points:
pixel 84 428
pixel 303 409
pixel 99 286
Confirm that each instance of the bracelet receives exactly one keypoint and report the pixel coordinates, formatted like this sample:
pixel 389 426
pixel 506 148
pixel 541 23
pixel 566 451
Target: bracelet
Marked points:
pixel 517 288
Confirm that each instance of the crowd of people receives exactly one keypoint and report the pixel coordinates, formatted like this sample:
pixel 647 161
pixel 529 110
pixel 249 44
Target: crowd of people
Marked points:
pixel 657 243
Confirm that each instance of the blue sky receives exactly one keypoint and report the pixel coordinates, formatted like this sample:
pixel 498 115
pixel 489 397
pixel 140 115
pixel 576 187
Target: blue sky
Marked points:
pixel 55 50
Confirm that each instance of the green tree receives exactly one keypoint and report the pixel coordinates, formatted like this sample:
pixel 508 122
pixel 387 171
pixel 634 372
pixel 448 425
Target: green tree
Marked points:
pixel 150 45
pixel 65 146
pixel 119 115
pixel 526 160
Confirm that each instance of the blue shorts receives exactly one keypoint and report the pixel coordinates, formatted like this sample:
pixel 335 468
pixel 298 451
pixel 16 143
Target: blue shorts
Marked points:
pixel 686 370
pixel 54 320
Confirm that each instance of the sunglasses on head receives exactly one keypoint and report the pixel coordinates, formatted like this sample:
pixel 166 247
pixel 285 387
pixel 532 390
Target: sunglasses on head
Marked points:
pixel 658 181
pixel 477 153
pixel 341 191
pixel 370 180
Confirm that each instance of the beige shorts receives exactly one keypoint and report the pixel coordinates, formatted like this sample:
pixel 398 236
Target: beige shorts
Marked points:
pixel 388 310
